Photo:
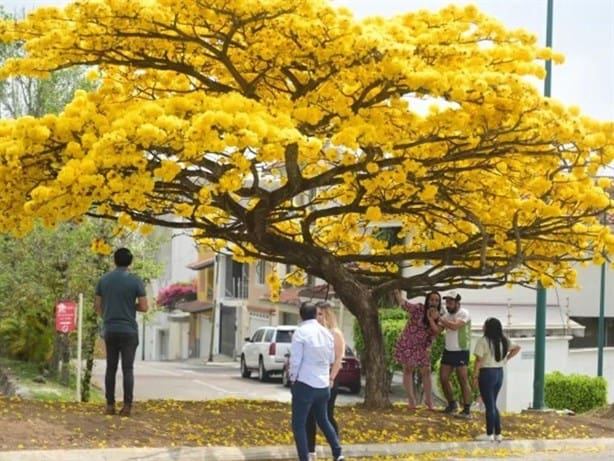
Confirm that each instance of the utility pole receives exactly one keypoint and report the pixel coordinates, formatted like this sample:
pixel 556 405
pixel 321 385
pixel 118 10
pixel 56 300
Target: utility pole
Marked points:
pixel 540 311
pixel 601 322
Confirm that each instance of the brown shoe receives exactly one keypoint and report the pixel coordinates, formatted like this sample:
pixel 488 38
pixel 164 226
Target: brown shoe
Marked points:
pixel 110 409
pixel 126 410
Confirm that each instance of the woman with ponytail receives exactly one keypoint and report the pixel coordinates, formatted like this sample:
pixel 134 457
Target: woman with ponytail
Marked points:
pixel 492 351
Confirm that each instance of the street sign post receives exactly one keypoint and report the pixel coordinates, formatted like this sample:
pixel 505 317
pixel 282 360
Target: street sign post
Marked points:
pixel 65 316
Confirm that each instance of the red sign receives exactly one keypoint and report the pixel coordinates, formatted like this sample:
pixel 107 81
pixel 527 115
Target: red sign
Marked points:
pixel 65 316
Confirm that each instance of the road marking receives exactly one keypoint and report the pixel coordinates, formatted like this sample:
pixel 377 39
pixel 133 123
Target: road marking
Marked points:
pixel 162 370
pixel 215 388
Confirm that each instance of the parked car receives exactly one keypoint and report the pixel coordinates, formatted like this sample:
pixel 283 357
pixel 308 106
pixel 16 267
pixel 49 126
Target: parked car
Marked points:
pixel 348 377
pixel 265 351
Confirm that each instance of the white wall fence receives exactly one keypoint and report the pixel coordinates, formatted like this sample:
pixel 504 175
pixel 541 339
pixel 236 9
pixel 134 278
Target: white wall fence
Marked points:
pixel 517 391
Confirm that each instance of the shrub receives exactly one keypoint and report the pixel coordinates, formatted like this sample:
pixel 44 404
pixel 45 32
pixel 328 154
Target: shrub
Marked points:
pixel 575 392
pixel 456 390
pixel 172 294
pixel 393 320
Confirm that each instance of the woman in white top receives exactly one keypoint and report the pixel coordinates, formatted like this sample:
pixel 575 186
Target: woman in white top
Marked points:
pixel 491 352
pixel 327 318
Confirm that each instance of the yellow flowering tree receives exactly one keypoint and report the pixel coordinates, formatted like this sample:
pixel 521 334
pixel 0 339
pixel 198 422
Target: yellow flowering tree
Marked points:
pixel 290 130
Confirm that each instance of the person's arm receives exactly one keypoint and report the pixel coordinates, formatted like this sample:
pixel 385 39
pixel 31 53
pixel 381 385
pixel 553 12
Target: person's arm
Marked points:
pixel 480 350
pixel 98 307
pixel 476 370
pixel 339 352
pixel 513 350
pixel 296 355
pixel 451 324
pixel 455 323
pixel 434 326
pixel 141 304
pixel 398 297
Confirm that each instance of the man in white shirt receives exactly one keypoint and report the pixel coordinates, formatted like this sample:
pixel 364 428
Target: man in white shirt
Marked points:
pixel 311 355
pixel 457 323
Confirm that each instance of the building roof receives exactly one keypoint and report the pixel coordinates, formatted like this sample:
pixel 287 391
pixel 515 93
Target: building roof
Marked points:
pixel 194 306
pixel 202 263
pixel 520 319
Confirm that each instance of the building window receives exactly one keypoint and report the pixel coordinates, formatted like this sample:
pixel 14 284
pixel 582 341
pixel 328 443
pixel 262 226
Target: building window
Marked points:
pixel 261 272
pixel 237 279
pixel 591 336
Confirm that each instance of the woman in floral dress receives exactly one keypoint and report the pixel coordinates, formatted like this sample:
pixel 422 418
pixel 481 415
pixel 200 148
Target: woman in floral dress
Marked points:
pixel 413 348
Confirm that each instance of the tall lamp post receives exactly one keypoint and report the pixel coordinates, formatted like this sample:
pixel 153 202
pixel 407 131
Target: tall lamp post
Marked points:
pixel 540 311
pixel 601 322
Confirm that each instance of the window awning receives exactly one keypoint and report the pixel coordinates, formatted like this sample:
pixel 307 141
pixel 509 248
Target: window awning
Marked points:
pixel 194 306
pixel 202 263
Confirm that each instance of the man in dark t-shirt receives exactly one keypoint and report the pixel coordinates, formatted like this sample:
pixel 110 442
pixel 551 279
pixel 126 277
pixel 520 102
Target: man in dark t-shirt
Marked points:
pixel 119 295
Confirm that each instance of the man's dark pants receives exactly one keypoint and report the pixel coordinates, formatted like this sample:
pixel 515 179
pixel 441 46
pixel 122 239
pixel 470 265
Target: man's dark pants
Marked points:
pixel 305 399
pixel 124 345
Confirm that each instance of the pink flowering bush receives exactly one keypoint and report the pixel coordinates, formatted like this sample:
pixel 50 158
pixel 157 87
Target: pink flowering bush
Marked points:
pixel 177 292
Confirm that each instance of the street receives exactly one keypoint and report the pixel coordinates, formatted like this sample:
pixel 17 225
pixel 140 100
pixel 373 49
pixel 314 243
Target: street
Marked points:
pixel 199 380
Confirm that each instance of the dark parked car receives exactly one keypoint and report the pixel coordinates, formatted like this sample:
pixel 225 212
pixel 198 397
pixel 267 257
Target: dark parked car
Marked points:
pixel 348 377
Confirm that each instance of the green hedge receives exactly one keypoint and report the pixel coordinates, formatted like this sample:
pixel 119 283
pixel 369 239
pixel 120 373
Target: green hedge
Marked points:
pixel 458 396
pixel 393 320
pixel 575 392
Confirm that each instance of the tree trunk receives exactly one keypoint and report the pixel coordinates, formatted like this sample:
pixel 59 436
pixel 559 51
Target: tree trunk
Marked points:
pixel 359 302
pixel 54 365
pixel 65 348
pixel 377 388
pixel 89 346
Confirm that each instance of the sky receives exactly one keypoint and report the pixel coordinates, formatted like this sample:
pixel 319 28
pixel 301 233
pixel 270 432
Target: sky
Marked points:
pixel 583 31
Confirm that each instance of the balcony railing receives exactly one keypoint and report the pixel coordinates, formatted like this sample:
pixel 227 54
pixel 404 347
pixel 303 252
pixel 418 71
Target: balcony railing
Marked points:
pixel 237 287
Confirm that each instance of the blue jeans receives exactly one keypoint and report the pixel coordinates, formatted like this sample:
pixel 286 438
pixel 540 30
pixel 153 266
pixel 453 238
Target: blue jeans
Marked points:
pixel 124 345
pixel 490 381
pixel 311 419
pixel 305 399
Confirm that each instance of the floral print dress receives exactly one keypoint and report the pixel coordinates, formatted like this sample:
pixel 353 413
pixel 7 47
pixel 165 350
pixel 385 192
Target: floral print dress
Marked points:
pixel 413 347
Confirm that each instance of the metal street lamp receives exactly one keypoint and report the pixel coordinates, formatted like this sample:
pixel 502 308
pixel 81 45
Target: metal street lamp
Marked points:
pixel 540 311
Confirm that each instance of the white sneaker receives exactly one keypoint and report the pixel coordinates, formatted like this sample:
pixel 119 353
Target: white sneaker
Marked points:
pixel 312 457
pixel 485 438
pixel 498 438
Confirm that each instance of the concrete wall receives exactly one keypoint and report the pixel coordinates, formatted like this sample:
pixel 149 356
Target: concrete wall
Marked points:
pixel 517 391
pixel 584 362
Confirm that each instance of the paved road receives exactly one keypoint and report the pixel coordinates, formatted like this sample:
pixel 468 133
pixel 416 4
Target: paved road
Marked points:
pixel 198 380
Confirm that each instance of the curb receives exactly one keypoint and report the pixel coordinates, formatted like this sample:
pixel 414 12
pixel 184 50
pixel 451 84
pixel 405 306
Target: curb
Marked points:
pixel 287 452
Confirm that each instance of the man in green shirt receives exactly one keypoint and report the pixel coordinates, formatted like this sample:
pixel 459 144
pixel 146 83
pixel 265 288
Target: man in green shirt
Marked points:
pixel 119 295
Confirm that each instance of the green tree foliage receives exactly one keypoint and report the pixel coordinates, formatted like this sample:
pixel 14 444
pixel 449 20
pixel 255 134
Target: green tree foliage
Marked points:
pixel 49 265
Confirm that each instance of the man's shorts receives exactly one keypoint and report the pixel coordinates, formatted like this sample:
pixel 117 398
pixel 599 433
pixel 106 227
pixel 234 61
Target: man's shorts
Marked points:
pixel 455 358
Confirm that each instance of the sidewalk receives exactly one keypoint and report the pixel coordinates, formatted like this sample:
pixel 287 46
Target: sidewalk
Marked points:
pixel 289 452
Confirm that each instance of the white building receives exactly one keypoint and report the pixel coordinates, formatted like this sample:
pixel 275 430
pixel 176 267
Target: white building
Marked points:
pixel 163 335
